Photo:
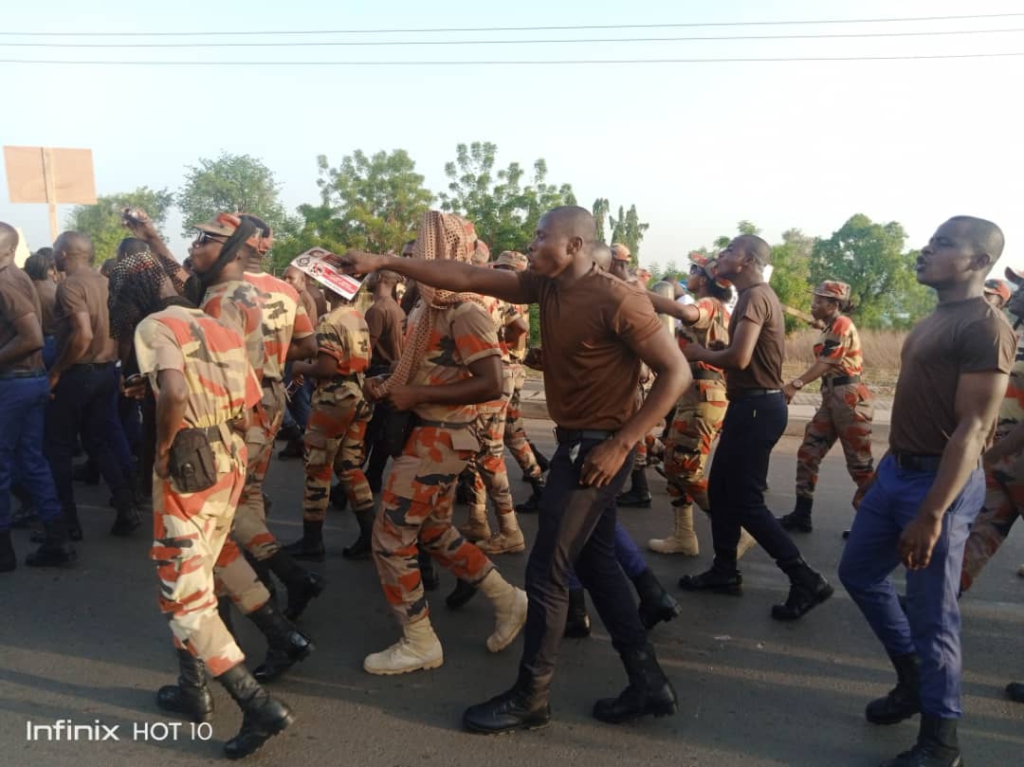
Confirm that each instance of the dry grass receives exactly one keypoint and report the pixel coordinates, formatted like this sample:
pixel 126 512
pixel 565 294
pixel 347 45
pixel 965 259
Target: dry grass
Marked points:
pixel 881 356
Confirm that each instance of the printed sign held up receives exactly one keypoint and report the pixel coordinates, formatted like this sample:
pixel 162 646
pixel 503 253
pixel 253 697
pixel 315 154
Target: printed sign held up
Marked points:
pixel 325 267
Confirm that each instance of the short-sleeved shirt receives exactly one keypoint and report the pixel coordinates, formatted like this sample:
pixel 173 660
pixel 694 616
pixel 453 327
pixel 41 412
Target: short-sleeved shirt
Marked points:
pixel 386 321
pixel 85 291
pixel 1011 411
pixel 284 318
pixel 237 305
pixel 460 336
pixel 513 312
pixel 309 304
pixel 17 299
pixel 497 309
pixel 759 304
pixel 590 331
pixel 839 345
pixel 212 357
pixel 344 335
pixel 47 292
pixel 712 326
pixel 957 338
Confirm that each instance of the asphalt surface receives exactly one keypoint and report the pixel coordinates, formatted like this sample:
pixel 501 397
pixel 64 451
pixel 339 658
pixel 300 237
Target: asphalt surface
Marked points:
pixel 88 644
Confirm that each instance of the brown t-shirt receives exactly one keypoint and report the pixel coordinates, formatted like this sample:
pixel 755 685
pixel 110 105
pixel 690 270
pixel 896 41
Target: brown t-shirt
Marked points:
pixel 590 331
pixel 47 292
pixel 309 304
pixel 387 322
pixel 17 299
pixel 759 304
pixel 85 291
pixel 961 337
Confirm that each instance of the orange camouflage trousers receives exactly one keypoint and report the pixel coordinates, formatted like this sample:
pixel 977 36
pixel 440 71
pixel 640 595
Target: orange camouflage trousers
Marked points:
pixel 334 443
pixel 515 432
pixel 490 475
pixel 190 531
pixel 251 518
pixel 1004 503
pixel 845 414
pixel 695 426
pixel 416 509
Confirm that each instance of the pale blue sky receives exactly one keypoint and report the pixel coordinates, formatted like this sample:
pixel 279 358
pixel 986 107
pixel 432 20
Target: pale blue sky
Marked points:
pixel 697 147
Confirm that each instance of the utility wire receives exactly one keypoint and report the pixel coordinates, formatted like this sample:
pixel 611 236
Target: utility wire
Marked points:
pixel 332 43
pixel 276 32
pixel 557 62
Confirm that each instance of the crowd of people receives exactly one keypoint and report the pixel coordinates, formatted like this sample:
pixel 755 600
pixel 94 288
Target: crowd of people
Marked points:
pixel 176 379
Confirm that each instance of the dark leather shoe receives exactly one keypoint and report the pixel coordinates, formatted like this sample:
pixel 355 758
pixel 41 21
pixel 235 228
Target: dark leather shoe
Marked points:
pixel 301 591
pixel 128 520
pixel 805 594
pixel 649 691
pixel 1015 692
pixel 190 697
pixel 512 710
pixel 656 604
pixel 634 499
pixel 48 555
pixel 903 701
pixel 577 622
pixel 795 522
pixel 263 717
pixel 714 580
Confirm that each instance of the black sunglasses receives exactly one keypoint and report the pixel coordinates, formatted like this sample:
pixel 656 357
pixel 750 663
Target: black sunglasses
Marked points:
pixel 204 237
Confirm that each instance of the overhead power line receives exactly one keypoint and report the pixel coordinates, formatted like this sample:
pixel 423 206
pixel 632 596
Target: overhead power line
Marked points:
pixel 432 30
pixel 363 43
pixel 554 62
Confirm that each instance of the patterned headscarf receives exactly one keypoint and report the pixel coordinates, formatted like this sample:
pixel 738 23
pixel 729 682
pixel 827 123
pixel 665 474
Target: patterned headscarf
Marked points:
pixel 442 236
pixel 134 292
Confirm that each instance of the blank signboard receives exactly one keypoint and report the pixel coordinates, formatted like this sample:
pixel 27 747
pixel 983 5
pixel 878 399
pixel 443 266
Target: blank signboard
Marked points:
pixel 72 182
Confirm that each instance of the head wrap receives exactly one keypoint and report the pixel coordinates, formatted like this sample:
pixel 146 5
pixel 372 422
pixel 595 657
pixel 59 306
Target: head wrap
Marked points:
pixel 243 232
pixel 135 286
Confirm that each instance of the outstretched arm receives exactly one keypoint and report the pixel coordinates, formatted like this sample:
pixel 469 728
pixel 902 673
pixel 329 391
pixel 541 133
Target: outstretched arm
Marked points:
pixel 447 275
pixel 688 313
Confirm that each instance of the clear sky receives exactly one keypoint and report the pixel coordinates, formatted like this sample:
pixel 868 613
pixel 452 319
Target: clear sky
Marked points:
pixel 696 147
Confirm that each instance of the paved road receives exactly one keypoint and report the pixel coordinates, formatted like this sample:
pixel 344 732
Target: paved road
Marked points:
pixel 88 644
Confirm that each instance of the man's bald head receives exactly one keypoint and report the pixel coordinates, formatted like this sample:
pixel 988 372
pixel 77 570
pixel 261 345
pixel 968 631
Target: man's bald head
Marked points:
pixel 573 221
pixel 8 242
pixel 754 247
pixel 73 245
pixel 982 235
pixel 603 256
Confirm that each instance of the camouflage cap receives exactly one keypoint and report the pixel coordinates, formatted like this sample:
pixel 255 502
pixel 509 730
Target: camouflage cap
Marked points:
pixel 998 288
pixel 620 252
pixel 513 260
pixel 223 224
pixel 709 266
pixel 834 289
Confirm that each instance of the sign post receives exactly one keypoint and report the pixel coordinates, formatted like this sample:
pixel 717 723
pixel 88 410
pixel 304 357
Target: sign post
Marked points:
pixel 53 176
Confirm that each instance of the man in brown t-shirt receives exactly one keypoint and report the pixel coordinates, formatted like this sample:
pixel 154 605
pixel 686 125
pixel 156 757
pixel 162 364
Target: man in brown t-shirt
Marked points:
pixel 24 392
pixel 596 331
pixel 754 422
pixel 39 267
pixel 386 321
pixel 85 383
pixel 929 488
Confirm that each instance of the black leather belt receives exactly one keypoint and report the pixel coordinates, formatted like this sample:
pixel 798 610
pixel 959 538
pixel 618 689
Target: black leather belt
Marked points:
pixel 911 462
pixel 748 393
pixel 574 436
pixel 829 383
pixel 700 374
pixel 11 374
pixel 93 365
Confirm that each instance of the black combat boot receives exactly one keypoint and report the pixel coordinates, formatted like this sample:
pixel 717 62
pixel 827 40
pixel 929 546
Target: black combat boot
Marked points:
pixel 524 707
pixel 128 518
pixel 362 548
pixel 577 621
pixel 937 746
pixel 799 520
pixel 639 494
pixel 303 586
pixel 460 595
pixel 656 604
pixel 807 589
pixel 1015 692
pixel 71 525
pixel 286 645
pixel 310 547
pixel 224 611
pixel 339 498
pixel 8 560
pixel 88 473
pixel 903 700
pixel 532 504
pixel 262 569
pixel 263 717
pixel 428 573
pixel 190 697
pixel 649 691
pixel 720 579
pixel 55 550
pixel 294 449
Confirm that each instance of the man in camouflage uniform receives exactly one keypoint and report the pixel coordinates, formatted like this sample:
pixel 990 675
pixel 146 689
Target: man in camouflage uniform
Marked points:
pixel 997 293
pixel 490 475
pixel 337 429
pixel 701 410
pixel 846 409
pixel 265 311
pixel 201 379
pixel 451 361
pixel 1004 466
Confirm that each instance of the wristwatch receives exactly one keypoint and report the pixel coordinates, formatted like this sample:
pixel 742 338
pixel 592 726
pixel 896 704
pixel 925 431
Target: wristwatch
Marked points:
pixel 797 383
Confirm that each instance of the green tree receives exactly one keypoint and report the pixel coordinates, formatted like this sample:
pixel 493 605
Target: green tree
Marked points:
pixel 629 230
pixel 869 257
pixel 234 184
pixel 791 260
pixel 102 221
pixel 375 201
pixel 601 209
pixel 503 209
